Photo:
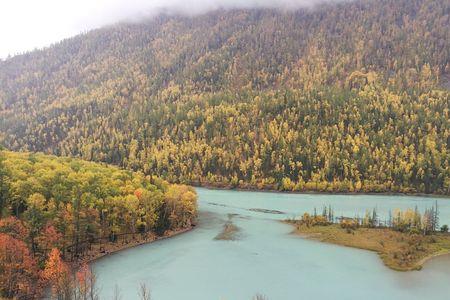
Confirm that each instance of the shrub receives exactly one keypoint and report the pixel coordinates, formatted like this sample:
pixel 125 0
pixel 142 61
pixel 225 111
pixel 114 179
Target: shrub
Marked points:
pixel 414 230
pixel 349 223
pixel 310 220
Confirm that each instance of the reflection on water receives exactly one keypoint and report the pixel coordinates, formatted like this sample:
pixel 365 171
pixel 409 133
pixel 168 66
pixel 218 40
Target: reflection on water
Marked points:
pixel 267 259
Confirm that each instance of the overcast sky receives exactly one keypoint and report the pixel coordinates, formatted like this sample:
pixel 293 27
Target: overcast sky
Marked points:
pixel 29 24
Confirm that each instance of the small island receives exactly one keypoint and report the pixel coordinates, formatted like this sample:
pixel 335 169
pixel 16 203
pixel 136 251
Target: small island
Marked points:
pixel 230 231
pixel 404 242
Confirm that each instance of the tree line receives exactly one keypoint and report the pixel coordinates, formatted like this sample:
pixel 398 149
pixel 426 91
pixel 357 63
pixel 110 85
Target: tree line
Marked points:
pixel 408 221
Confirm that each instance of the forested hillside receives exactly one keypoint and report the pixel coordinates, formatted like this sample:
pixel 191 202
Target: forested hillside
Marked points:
pixel 60 207
pixel 342 97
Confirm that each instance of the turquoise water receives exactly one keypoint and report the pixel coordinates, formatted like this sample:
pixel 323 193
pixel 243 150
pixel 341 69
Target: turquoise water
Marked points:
pixel 265 258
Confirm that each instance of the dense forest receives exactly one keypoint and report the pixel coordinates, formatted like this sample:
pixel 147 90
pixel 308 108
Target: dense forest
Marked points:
pixel 53 209
pixel 342 97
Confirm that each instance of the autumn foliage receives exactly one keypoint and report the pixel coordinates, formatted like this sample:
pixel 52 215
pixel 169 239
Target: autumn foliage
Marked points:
pixel 85 281
pixel 19 274
pixel 66 285
pixel 351 97
pixel 14 227
pixel 57 274
pixel 58 208
pixel 49 238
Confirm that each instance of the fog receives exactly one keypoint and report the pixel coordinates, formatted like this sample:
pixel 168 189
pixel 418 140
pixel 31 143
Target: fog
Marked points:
pixel 29 24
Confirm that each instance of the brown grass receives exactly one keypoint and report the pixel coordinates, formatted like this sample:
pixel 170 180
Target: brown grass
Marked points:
pixel 399 251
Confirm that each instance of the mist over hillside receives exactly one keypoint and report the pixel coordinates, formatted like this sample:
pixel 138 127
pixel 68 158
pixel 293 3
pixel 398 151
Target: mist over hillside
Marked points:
pixel 345 96
pixel 142 9
pixel 29 25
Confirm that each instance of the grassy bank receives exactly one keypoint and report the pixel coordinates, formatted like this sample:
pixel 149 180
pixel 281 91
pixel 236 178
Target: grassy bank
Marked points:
pixel 398 251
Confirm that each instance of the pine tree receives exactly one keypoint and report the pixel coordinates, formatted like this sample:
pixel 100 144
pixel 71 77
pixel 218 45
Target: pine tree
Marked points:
pixel 374 217
pixel 324 211
pixel 435 216
pixel 389 222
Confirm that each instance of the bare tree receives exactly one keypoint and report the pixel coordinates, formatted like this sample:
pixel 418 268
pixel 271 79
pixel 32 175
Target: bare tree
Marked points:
pixel 144 292
pixel 436 217
pixel 260 297
pixel 85 283
pixel 92 287
pixel 117 295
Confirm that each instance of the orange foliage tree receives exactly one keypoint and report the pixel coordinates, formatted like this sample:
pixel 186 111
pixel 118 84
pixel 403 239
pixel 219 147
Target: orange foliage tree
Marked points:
pixel 49 238
pixel 18 269
pixel 57 275
pixel 13 227
pixel 85 281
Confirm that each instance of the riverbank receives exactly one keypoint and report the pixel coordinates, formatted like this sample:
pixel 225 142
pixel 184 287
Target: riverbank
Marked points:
pixel 221 187
pixel 398 251
pixel 100 250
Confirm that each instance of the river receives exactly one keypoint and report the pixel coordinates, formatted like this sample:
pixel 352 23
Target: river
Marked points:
pixel 265 258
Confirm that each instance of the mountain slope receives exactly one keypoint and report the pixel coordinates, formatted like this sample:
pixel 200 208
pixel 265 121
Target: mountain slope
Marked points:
pixel 341 97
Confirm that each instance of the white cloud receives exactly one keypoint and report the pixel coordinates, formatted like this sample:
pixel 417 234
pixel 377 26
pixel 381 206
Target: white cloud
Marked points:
pixel 29 24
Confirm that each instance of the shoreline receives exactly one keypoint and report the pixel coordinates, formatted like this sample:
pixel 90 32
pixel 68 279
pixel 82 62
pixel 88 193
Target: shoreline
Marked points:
pixel 112 248
pixel 424 260
pixel 322 238
pixel 419 265
pixel 312 192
